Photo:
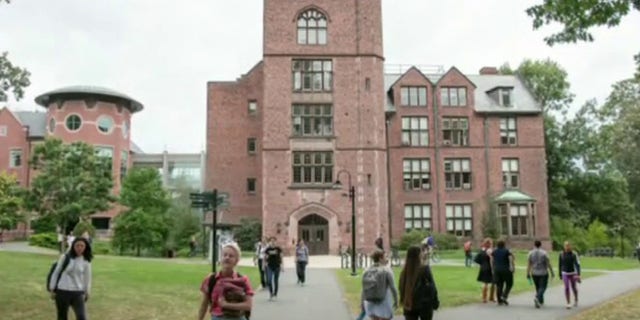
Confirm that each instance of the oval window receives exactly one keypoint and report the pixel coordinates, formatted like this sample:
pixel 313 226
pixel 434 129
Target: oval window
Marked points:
pixel 52 125
pixel 105 124
pixel 74 122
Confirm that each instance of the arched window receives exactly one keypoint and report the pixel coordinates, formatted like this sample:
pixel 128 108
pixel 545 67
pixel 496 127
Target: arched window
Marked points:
pixel 312 27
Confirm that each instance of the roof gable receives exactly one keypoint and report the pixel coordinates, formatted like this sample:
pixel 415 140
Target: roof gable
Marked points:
pixel 13 115
pixel 453 71
pixel 407 73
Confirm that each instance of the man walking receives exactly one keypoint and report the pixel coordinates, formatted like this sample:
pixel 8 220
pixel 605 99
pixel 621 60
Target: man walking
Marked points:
pixel 273 254
pixel 538 269
pixel 467 254
pixel 503 268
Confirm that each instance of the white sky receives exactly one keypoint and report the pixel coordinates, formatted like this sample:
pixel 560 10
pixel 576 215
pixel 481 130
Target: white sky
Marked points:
pixel 163 52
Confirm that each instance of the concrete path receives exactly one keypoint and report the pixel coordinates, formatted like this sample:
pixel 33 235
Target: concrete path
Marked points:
pixel 23 246
pixel 320 298
pixel 591 292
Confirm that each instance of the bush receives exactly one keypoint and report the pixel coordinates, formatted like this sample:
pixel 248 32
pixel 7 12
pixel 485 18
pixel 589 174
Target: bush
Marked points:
pixel 412 238
pixel 44 240
pixel 249 231
pixel 446 241
pixel 565 230
pixel 83 226
pixel 44 224
pixel 102 247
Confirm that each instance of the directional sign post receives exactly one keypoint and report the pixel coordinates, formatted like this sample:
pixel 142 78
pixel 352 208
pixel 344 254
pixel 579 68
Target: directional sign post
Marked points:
pixel 211 200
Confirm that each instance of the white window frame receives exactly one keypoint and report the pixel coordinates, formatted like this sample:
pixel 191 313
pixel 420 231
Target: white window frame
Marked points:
pixel 12 155
pixel 459 219
pixel 418 216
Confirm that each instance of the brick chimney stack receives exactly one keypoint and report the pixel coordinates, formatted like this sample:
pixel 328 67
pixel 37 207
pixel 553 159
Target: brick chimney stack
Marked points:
pixel 489 71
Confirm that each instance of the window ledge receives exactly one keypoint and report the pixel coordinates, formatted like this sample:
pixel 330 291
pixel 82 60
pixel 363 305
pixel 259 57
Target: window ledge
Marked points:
pixel 331 137
pixel 311 187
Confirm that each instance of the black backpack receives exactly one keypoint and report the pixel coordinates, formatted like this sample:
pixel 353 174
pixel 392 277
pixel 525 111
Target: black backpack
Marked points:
pixel 425 294
pixel 212 284
pixel 65 263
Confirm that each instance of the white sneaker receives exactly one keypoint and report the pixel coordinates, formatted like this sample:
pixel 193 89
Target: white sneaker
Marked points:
pixel 568 305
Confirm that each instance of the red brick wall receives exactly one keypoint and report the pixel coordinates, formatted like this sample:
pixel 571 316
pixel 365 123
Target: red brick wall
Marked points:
pixel 16 139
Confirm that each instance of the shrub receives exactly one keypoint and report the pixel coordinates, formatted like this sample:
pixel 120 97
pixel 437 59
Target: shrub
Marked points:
pixel 83 226
pixel 446 241
pixel 249 231
pixel 45 240
pixel 44 224
pixel 102 247
pixel 411 238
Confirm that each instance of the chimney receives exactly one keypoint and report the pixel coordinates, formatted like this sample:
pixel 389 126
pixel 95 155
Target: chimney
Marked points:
pixel 489 71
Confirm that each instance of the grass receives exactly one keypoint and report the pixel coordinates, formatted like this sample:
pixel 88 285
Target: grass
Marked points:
pixel 624 307
pixel 456 285
pixel 123 288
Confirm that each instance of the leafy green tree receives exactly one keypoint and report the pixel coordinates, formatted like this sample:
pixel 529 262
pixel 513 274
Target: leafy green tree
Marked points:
pixel 72 182
pixel 249 231
pixel 12 78
pixel 144 224
pixel 185 221
pixel 598 235
pixel 11 202
pixel 578 17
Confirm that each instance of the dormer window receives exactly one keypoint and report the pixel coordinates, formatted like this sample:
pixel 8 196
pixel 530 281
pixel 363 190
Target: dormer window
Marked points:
pixel 505 97
pixel 312 28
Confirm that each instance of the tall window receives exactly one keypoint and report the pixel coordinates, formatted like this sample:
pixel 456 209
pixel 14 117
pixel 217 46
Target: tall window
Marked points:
pixel 413 96
pixel 107 154
pixel 251 185
pixel 508 131
pixel 459 219
pixel 124 164
pixel 514 219
pixel 505 97
pixel 417 174
pixel 15 158
pixel 312 168
pixel 251 145
pixel 455 131
pixel 3 131
pixel 312 120
pixel 417 216
pixel 415 131
pixel 453 96
pixel 312 75
pixel 312 28
pixel 510 173
pixel 457 174
pixel 252 107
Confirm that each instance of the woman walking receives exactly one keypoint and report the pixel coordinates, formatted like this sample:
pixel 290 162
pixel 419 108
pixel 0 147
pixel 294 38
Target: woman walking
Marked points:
pixel 230 295
pixel 569 266
pixel 485 274
pixel 418 293
pixel 70 283
pixel 302 259
pixel 379 279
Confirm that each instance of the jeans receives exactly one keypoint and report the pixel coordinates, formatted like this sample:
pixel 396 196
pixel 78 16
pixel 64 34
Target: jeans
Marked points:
pixel 263 280
pixel 273 275
pixel 541 286
pixel 503 278
pixel 73 299
pixel 425 314
pixel 301 267
pixel 467 259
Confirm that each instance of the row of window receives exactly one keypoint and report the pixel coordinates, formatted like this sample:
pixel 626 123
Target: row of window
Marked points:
pixel 104 124
pixel 515 219
pixel 455 131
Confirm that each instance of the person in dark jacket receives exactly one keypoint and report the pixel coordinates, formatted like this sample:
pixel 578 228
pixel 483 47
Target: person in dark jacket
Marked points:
pixel 503 265
pixel 417 305
pixel 569 268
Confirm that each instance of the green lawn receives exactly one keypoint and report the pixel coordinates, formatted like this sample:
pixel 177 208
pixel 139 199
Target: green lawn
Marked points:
pixel 456 285
pixel 123 288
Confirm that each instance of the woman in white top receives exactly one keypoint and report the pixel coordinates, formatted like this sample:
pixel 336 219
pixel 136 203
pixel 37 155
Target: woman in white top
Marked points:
pixel 70 283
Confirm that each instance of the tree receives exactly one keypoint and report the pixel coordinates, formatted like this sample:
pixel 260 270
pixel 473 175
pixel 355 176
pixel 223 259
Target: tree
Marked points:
pixel 579 16
pixel 72 182
pixel 249 231
pixel 12 78
pixel 144 224
pixel 185 221
pixel 11 202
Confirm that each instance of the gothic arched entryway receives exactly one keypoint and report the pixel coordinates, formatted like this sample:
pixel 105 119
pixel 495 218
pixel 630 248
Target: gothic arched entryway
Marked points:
pixel 314 230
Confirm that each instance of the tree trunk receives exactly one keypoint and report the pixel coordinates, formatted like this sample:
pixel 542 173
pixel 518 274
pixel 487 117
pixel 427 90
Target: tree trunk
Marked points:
pixel 138 250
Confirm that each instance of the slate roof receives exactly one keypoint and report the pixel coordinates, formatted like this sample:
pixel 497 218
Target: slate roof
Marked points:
pixel 36 121
pixel 45 98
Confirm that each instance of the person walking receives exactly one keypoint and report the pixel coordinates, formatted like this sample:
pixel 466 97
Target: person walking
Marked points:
pixel 273 254
pixel 485 274
pixel 503 269
pixel 539 268
pixel 467 254
pixel 379 293
pixel 259 259
pixel 302 259
pixel 417 303
pixel 230 295
pixel 569 268
pixel 379 243
pixel 70 283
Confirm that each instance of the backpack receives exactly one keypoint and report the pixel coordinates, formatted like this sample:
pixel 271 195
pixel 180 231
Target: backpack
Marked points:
pixel 425 293
pixel 374 284
pixel 480 257
pixel 65 263
pixel 212 285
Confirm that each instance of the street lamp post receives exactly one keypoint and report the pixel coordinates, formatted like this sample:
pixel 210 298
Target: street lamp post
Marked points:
pixel 352 197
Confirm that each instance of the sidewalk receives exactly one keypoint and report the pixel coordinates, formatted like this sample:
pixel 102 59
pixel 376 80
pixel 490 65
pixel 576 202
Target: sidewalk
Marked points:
pixel 591 292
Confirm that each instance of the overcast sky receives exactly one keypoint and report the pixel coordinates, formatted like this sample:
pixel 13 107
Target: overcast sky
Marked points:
pixel 163 52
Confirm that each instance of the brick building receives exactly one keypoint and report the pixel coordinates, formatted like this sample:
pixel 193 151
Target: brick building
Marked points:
pixel 424 149
pixel 98 116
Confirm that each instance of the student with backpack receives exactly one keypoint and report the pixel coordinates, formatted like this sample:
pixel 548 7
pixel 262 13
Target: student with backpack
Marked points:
pixel 70 280
pixel 418 293
pixel 227 292
pixel 485 274
pixel 379 294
